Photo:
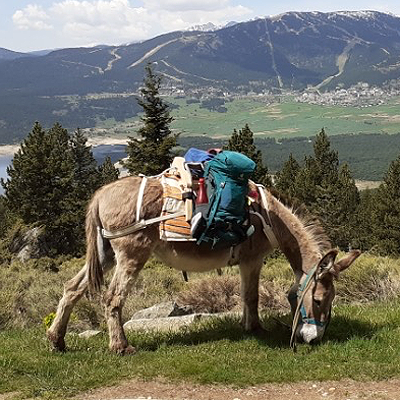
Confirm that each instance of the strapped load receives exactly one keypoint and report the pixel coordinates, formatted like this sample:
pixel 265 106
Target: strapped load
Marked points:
pixel 227 176
pixel 221 222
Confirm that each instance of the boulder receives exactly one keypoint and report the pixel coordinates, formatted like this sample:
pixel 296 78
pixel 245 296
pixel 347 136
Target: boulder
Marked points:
pixel 88 334
pixel 165 323
pixel 162 310
pixel 29 243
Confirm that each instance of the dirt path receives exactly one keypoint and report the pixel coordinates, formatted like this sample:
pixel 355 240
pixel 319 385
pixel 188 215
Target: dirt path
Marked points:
pixel 159 390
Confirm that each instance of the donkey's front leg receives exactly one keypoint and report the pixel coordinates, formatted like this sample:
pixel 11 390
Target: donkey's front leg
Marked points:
pixel 250 277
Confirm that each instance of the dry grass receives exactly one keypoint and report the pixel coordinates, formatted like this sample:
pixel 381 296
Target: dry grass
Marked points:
pixel 30 291
pixel 212 294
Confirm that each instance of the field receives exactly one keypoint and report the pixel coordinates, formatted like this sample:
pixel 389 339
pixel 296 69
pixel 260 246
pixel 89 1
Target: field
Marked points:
pixel 283 119
pixel 286 119
pixel 362 342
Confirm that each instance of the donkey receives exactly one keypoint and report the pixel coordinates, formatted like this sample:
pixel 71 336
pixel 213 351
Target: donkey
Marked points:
pixel 112 207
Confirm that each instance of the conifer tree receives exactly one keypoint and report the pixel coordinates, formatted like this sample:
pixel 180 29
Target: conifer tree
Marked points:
pixel 387 221
pixel 86 179
pixel 367 221
pixel 152 152
pixel 243 142
pixel 50 181
pixel 37 175
pixel 108 173
pixel 285 179
pixel 329 192
pixel 86 174
pixel 341 206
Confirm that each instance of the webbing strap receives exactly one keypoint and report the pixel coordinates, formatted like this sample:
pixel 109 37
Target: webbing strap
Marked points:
pixel 140 198
pixel 137 226
pixel 268 232
pixel 213 211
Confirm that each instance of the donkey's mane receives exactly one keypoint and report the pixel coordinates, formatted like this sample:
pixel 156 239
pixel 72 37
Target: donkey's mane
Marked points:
pixel 311 224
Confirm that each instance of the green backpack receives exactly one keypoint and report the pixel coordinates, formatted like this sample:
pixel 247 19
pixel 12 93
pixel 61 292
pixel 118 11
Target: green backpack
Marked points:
pixel 227 176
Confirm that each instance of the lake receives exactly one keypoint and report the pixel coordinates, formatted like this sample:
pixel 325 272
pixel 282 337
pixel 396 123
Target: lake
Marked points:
pixel 115 152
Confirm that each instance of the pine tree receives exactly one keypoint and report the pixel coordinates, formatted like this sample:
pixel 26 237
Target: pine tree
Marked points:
pixel 152 152
pixel 243 142
pixel 387 221
pixel 367 221
pixel 329 192
pixel 108 173
pixel 50 181
pixel 85 180
pixel 285 179
pixel 307 183
pixel 86 174
pixel 341 209
pixel 31 177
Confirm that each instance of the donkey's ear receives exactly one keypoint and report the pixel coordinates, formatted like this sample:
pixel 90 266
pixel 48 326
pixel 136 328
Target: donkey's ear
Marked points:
pixel 327 263
pixel 346 261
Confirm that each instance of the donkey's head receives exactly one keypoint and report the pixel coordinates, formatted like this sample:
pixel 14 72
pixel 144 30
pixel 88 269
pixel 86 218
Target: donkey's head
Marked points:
pixel 311 299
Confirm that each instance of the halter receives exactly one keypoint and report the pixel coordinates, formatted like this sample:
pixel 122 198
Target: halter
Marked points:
pixel 300 309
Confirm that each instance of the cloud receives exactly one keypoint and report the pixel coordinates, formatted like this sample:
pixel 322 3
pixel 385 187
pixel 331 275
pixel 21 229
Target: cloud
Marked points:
pixel 117 21
pixel 186 5
pixel 31 17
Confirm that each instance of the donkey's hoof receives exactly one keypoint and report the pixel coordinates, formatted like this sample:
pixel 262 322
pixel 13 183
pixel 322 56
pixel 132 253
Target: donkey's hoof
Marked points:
pixel 129 350
pixel 255 329
pixel 259 331
pixel 57 342
pixel 125 351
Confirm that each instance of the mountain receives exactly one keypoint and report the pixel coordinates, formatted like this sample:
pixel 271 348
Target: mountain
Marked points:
pixel 10 55
pixel 289 51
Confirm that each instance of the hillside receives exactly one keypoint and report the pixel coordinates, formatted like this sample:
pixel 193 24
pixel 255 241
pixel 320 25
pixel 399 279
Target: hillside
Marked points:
pixel 287 52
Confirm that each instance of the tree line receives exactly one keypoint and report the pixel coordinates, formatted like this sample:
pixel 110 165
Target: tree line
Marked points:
pixel 54 174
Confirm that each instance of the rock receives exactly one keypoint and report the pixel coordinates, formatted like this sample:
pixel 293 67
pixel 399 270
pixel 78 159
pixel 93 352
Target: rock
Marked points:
pixel 165 323
pixel 162 310
pixel 27 244
pixel 88 334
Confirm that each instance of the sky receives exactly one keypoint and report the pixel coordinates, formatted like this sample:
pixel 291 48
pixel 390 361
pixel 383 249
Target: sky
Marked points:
pixel 29 25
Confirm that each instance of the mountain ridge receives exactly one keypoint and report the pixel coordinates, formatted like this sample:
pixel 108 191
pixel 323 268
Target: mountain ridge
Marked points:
pixel 289 51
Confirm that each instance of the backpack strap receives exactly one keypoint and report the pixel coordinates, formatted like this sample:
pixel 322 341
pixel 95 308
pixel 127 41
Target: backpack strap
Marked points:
pixel 212 212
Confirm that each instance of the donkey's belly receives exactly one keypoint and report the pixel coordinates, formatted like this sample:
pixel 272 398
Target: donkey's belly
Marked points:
pixel 191 257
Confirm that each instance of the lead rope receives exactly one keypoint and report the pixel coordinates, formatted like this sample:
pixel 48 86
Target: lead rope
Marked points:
pixel 306 285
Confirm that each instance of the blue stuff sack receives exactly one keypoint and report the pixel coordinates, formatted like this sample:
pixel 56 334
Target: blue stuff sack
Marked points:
pixel 194 155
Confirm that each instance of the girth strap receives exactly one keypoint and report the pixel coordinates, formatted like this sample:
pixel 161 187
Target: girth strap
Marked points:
pixel 137 226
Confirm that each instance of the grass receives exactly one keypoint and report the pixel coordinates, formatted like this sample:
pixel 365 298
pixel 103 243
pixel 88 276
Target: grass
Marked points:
pixel 362 341
pixel 362 344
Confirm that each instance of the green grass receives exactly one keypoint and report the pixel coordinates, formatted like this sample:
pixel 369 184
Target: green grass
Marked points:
pixel 362 343
pixel 284 120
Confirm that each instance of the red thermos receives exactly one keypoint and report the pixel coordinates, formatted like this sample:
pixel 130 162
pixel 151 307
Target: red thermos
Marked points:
pixel 202 193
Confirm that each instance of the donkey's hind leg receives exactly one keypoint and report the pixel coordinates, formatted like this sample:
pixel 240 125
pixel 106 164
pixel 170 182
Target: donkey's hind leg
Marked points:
pixel 131 258
pixel 250 277
pixel 74 289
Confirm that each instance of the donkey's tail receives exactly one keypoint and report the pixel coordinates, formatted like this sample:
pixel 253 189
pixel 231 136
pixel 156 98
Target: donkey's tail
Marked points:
pixel 94 250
